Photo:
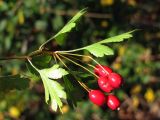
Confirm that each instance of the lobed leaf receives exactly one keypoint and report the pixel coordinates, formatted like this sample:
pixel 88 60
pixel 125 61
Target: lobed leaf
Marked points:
pixel 99 50
pixel 55 72
pixel 78 15
pixel 118 38
pixel 67 28
pixel 53 91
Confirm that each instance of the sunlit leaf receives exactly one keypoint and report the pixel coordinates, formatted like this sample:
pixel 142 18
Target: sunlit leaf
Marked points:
pixel 66 28
pixel 55 72
pixel 99 50
pixel 53 90
pixel 118 38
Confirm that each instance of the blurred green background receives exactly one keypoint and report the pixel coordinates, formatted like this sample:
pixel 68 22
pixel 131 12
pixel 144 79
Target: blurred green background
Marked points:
pixel 26 24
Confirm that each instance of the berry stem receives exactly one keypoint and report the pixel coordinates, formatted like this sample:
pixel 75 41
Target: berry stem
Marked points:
pixel 54 58
pixel 61 61
pixel 84 86
pixel 79 65
pixel 91 65
pixel 83 56
pixel 81 61
pixel 81 83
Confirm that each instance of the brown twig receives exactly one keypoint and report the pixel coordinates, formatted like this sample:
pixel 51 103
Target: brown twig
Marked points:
pixel 32 54
pixel 15 57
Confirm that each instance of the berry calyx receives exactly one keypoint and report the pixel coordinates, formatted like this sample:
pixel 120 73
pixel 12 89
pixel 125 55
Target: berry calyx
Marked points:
pixel 97 97
pixel 113 102
pixel 115 80
pixel 104 84
pixel 102 70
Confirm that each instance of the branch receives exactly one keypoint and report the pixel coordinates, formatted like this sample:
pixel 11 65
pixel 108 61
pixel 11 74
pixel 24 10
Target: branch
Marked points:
pixel 26 57
pixel 15 57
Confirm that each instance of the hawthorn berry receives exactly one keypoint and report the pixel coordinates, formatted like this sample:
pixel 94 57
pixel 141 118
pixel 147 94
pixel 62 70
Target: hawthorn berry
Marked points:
pixel 104 84
pixel 97 97
pixel 113 102
pixel 102 70
pixel 115 80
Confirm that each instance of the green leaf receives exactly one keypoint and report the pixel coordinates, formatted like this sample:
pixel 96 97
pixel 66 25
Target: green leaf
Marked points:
pixel 99 50
pixel 118 38
pixel 53 91
pixel 60 39
pixel 60 93
pixel 55 72
pixel 61 35
pixel 67 28
pixel 44 78
pixel 71 24
pixel 78 15
pixel 16 82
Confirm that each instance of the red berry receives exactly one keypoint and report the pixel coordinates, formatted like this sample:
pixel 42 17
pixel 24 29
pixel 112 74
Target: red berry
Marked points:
pixel 102 70
pixel 97 97
pixel 104 84
pixel 115 80
pixel 113 102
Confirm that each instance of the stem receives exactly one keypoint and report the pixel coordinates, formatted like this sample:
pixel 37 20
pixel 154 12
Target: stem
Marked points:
pixel 81 83
pixel 84 86
pixel 32 65
pixel 81 61
pixel 37 52
pixel 88 57
pixel 15 57
pixel 54 58
pixel 91 65
pixel 72 57
pixel 41 47
pixel 61 61
pixel 79 65
pixel 34 53
pixel 68 51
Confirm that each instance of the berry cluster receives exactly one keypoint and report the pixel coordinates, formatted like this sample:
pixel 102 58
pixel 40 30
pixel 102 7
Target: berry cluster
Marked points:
pixel 107 81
